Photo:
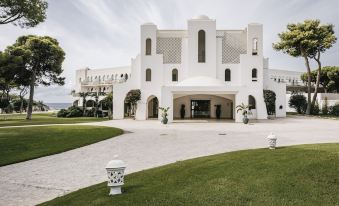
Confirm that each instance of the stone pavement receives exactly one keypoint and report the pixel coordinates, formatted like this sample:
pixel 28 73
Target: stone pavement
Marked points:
pixel 148 144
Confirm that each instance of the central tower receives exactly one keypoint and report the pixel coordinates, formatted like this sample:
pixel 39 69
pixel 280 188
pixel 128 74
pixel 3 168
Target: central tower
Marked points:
pixel 201 47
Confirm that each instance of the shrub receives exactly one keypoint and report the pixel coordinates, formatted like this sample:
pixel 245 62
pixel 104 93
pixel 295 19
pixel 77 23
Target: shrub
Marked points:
pixel 334 110
pixel 17 105
pixel 90 112
pixel 269 98
pixel 315 109
pixel 324 109
pixel 62 113
pixel 298 102
pixel 74 111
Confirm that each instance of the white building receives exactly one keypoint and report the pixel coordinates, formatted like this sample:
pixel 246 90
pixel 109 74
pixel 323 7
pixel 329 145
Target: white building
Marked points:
pixel 200 68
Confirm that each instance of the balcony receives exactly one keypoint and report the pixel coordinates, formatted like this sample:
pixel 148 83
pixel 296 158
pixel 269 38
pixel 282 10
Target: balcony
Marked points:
pixel 102 82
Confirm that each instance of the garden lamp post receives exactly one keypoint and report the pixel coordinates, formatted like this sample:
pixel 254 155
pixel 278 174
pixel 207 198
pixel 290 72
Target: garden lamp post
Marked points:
pixel 115 173
pixel 272 141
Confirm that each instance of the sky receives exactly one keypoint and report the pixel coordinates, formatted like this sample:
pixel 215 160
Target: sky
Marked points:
pixel 105 33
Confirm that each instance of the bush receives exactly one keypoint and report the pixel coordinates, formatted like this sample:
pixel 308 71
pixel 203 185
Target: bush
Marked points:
pixel 74 111
pixel 90 112
pixel 315 109
pixel 298 102
pixel 334 110
pixel 17 105
pixel 62 113
pixel 269 98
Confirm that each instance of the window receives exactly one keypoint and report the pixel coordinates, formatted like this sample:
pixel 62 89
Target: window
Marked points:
pixel 201 46
pixel 254 75
pixel 174 75
pixel 148 75
pixel 227 75
pixel 148 46
pixel 126 76
pixel 251 102
pixel 255 46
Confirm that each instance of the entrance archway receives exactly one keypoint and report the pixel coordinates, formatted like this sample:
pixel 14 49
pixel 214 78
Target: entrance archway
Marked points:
pixel 152 107
pixel 203 106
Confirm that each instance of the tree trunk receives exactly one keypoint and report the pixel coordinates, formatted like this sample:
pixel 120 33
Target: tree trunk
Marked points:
pixel 21 104
pixel 84 105
pixel 31 95
pixel 318 79
pixel 309 103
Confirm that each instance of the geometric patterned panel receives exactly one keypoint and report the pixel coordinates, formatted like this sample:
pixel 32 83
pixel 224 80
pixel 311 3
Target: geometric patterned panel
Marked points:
pixel 233 44
pixel 170 47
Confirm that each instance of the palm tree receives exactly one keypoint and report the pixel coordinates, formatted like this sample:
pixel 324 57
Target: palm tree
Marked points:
pixel 84 95
pixel 244 109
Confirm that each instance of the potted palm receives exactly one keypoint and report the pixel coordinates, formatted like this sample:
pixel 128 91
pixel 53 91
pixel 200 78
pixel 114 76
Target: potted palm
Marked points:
pixel 218 111
pixel 182 111
pixel 164 114
pixel 244 109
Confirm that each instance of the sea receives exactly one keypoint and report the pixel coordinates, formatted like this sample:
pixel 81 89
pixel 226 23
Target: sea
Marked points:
pixel 58 106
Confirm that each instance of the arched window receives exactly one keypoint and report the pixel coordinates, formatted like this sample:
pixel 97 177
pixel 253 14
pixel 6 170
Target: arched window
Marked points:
pixel 174 75
pixel 148 75
pixel 254 75
pixel 201 46
pixel 251 102
pixel 255 46
pixel 227 75
pixel 148 46
pixel 126 76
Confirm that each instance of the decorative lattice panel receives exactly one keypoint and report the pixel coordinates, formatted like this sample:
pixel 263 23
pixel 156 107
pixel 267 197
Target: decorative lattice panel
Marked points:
pixel 233 44
pixel 170 47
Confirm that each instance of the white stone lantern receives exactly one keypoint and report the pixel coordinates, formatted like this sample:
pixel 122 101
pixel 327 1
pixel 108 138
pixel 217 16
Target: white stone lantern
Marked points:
pixel 272 141
pixel 115 172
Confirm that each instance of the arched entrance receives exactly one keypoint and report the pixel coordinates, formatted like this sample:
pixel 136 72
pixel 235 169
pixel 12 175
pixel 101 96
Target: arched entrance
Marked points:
pixel 203 106
pixel 252 107
pixel 152 107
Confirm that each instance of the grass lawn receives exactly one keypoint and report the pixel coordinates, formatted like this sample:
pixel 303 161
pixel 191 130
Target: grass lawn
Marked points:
pixel 327 116
pixel 298 175
pixel 42 118
pixel 25 143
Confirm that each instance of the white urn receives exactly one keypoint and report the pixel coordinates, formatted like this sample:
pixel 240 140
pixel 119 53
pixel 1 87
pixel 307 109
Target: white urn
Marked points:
pixel 115 173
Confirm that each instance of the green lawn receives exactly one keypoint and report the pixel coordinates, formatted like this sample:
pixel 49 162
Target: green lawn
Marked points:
pixel 44 118
pixel 25 143
pixel 328 116
pixel 299 175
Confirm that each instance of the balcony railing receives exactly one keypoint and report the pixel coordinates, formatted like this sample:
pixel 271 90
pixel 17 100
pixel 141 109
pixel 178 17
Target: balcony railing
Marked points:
pixel 102 82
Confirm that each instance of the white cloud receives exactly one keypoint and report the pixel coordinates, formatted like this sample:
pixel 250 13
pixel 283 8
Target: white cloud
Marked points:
pixel 105 33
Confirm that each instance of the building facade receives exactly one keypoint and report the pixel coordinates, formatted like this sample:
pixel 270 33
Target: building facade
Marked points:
pixel 198 73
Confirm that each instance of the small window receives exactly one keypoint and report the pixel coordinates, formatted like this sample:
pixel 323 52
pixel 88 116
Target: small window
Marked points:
pixel 174 75
pixel 148 75
pixel 227 75
pixel 254 75
pixel 251 102
pixel 255 46
pixel 148 46
pixel 201 46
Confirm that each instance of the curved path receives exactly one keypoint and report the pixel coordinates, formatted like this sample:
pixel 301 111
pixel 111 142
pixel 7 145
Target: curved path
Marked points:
pixel 148 144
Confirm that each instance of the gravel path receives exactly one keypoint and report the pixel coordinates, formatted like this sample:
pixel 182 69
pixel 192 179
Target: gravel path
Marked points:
pixel 148 144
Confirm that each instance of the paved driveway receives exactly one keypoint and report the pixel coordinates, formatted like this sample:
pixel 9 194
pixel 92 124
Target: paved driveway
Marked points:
pixel 148 144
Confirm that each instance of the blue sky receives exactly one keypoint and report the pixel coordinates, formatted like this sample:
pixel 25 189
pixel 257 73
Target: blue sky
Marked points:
pixel 105 33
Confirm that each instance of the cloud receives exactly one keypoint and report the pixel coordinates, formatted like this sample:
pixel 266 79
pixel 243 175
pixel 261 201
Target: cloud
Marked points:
pixel 105 33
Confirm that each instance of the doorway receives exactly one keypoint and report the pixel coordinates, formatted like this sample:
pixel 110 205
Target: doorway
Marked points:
pixel 200 108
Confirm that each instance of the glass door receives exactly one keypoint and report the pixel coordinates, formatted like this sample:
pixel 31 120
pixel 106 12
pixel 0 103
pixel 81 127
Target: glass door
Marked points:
pixel 200 108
